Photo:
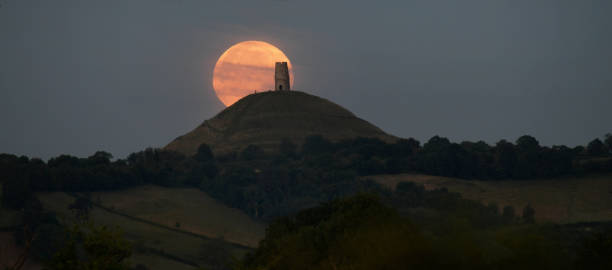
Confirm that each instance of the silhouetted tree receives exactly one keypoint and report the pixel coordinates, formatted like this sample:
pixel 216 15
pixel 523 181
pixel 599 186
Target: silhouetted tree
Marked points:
pixel 527 143
pixel 81 207
pixel 100 158
pixel 436 157
pixel 407 147
pixel 205 166
pixel 555 161
pixel 506 158
pixel 204 154
pixel 90 246
pixel 608 143
pixel 39 233
pixel 528 150
pixel 596 148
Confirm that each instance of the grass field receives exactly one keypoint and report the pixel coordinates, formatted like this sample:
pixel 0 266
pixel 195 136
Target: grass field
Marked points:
pixel 173 205
pixel 192 209
pixel 560 200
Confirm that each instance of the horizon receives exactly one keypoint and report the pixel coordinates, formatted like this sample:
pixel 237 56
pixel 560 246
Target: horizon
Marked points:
pixel 79 78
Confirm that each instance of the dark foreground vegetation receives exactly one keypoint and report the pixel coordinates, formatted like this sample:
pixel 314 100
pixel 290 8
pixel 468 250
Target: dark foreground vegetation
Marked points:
pixel 409 226
pixel 362 233
pixel 409 229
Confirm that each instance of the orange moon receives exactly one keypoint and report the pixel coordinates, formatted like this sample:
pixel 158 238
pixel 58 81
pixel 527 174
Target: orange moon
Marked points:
pixel 245 68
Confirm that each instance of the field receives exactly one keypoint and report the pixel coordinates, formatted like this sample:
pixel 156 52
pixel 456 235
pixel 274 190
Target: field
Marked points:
pixel 559 200
pixel 194 211
pixel 179 228
pixel 204 224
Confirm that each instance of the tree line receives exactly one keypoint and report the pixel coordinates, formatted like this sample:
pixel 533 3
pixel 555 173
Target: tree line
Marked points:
pixel 523 159
pixel 267 185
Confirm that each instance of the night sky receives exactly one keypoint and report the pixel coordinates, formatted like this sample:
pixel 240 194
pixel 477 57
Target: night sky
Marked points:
pixel 122 75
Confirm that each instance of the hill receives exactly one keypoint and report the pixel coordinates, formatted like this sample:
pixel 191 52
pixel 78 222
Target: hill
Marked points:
pixel 171 228
pixel 194 210
pixel 265 119
pixel 559 200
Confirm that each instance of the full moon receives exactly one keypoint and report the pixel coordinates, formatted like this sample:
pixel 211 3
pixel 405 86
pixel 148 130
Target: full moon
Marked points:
pixel 246 67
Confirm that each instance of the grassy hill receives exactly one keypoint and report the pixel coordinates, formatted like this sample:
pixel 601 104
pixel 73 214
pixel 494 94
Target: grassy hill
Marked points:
pixel 562 200
pixel 194 210
pixel 148 217
pixel 264 119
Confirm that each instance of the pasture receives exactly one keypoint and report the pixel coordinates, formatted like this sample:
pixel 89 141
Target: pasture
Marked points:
pixel 558 200
pixel 155 245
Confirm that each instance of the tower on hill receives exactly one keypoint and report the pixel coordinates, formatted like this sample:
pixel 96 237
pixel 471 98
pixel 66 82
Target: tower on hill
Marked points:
pixel 281 77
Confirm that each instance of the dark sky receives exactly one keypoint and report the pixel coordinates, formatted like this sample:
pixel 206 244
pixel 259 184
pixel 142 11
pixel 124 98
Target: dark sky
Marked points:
pixel 117 75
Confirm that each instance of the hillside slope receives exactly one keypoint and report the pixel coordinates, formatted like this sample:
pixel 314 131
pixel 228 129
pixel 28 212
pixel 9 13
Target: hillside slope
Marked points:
pixel 148 216
pixel 559 200
pixel 192 209
pixel 264 119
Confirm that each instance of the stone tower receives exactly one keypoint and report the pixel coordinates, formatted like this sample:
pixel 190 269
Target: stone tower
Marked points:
pixel 281 77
